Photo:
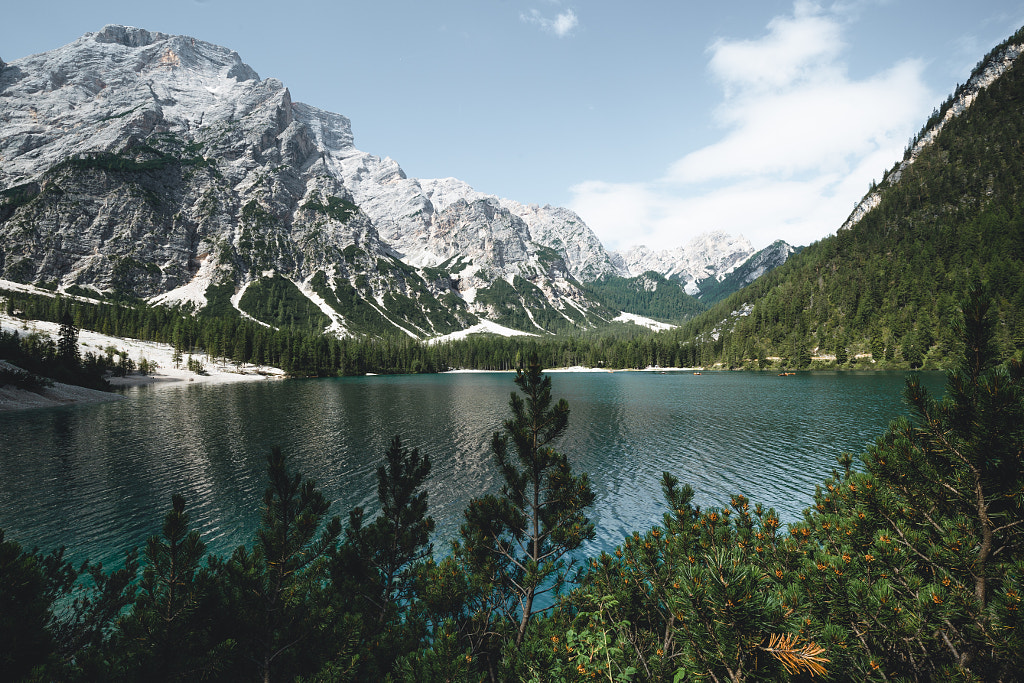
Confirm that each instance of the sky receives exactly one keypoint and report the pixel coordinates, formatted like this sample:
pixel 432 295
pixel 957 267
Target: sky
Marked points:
pixel 655 120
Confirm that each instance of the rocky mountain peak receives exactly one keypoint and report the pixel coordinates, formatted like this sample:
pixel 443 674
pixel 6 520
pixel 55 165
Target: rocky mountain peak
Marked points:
pixel 712 254
pixel 162 166
pixel 129 36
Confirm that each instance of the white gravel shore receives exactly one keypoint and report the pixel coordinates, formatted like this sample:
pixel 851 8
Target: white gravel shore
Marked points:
pixel 161 354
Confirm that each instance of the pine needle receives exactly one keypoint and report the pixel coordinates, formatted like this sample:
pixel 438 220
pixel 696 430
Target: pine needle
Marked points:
pixel 784 647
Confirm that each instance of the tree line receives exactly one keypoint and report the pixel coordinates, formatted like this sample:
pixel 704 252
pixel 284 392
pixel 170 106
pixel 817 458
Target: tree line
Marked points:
pixel 301 351
pixel 909 566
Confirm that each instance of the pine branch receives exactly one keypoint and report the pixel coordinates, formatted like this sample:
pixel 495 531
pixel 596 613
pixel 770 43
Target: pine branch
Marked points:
pixel 796 659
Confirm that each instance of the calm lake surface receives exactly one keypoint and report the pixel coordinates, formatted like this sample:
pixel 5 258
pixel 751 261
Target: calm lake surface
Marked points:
pixel 98 478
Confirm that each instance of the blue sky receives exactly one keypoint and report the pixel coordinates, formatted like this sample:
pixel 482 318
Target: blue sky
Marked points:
pixel 654 120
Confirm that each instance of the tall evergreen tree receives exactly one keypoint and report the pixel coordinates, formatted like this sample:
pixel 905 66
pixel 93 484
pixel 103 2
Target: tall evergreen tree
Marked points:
pixel 374 571
pixel 522 539
pixel 165 636
pixel 274 593
pixel 67 342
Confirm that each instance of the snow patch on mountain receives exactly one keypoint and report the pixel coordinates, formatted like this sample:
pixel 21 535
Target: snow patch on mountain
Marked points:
pixel 655 325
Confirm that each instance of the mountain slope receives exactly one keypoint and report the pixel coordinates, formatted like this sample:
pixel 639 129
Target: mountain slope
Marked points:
pixel 651 295
pixel 710 255
pixel 147 165
pixel 887 284
pixel 713 289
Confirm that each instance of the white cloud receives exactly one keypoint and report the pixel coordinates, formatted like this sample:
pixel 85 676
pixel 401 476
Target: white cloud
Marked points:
pixel 801 142
pixel 562 25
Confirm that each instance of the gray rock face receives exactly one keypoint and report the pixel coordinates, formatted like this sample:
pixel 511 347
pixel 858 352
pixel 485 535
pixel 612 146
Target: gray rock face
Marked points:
pixel 160 165
pixel 713 289
pixel 711 255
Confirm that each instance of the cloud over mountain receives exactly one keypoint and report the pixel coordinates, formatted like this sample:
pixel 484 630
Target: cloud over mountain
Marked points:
pixel 800 142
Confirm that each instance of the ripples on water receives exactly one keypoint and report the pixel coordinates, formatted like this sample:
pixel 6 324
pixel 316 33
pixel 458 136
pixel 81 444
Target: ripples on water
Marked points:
pixel 98 478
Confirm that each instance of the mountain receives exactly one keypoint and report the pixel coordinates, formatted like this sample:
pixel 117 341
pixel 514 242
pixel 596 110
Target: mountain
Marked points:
pixel 710 255
pixel 885 288
pixel 650 295
pixel 676 284
pixel 147 165
pixel 713 289
pixel 144 165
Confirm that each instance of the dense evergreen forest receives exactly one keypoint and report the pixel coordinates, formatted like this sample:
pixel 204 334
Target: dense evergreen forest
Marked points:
pixel 302 350
pixel 909 566
pixel 887 287
pixel 651 295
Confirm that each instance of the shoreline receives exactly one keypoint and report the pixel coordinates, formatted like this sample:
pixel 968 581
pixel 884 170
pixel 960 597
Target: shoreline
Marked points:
pixel 165 375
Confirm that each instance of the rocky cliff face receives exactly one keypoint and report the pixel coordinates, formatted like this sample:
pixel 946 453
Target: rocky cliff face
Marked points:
pixel 163 167
pixel 711 255
pixel 713 289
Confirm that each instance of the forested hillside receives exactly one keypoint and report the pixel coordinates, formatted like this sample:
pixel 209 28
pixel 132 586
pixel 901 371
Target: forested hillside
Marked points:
pixel 651 294
pixel 888 286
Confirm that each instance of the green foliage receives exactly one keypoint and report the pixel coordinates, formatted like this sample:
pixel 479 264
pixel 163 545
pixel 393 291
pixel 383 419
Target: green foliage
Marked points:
pixel 361 317
pixel 911 567
pixel 520 544
pixel 908 569
pixel 24 611
pixel 273 594
pixel 376 569
pixel 167 634
pixel 593 647
pixel 696 598
pixel 277 301
pixel 218 301
pixel 39 360
pixel 523 306
pixel 67 342
pixel 650 295
pixel 336 208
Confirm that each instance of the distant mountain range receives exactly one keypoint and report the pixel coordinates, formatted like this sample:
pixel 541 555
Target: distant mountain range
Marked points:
pixel 146 165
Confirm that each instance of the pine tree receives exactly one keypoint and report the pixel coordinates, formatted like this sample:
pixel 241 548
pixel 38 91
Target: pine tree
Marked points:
pixel 165 637
pixel 375 569
pixel 24 611
pixel 915 567
pixel 67 342
pixel 522 538
pixel 274 593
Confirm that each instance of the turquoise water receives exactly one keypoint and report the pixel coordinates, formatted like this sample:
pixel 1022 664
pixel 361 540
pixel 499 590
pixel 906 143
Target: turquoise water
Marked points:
pixel 98 478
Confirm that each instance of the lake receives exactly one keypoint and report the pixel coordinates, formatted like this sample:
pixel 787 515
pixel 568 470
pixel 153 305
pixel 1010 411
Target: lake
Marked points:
pixel 98 477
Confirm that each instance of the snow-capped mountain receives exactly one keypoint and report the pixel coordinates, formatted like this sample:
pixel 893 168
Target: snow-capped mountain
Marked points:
pixel 163 166
pixel 710 255
pixel 713 289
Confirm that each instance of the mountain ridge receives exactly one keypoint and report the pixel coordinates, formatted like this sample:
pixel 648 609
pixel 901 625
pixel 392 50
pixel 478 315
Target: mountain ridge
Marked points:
pixel 884 290
pixel 163 167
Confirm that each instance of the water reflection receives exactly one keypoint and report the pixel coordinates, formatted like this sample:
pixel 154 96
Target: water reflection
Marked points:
pixel 99 478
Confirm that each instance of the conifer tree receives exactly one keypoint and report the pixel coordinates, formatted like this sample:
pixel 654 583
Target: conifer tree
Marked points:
pixel 165 635
pixel 67 342
pixel 913 568
pixel 275 592
pixel 374 571
pixel 24 611
pixel 520 540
